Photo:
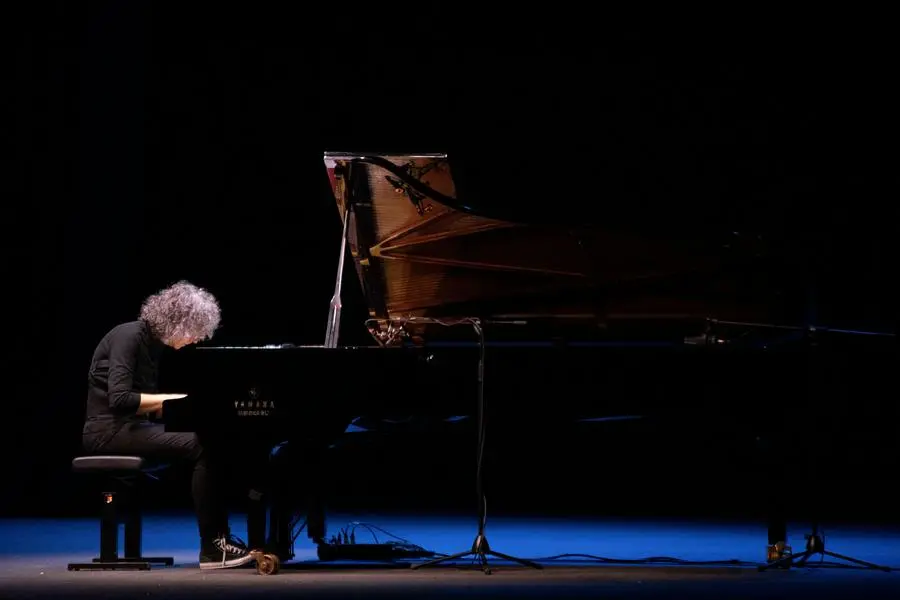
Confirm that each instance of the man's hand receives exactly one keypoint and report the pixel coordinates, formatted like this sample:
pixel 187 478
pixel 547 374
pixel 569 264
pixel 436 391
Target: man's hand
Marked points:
pixel 153 403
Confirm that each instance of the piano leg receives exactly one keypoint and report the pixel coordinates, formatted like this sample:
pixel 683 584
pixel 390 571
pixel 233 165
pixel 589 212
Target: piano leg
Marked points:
pixel 256 520
pixel 281 531
pixel 285 524
pixel 294 482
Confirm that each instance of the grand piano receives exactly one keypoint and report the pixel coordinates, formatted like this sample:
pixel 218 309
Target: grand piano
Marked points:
pixel 600 315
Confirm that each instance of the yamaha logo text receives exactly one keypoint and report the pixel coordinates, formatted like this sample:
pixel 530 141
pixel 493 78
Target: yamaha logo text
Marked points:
pixel 254 407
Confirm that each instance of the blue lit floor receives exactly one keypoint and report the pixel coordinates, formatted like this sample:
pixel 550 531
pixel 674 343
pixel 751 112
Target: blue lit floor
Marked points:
pixel 35 553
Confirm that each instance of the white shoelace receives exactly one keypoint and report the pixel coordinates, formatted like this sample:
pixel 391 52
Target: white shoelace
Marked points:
pixel 226 546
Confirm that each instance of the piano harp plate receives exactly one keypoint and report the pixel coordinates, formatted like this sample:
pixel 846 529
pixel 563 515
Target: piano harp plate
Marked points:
pixel 418 250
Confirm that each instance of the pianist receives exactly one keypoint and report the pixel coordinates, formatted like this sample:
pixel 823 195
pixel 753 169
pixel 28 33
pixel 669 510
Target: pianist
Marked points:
pixel 122 393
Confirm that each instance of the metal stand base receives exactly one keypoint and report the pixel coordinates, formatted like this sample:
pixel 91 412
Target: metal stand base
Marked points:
pixel 815 544
pixel 480 551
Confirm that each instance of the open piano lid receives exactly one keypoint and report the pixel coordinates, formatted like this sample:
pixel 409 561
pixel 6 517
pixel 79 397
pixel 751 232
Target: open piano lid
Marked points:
pixel 420 250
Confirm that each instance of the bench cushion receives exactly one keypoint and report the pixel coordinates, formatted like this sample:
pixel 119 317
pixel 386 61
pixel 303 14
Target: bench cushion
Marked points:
pixel 105 463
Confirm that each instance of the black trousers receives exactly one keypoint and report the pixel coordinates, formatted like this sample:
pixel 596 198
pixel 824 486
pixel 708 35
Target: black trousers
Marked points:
pixel 151 442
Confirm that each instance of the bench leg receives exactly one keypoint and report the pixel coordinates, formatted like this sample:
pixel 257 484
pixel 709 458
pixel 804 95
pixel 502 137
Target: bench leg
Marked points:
pixel 109 528
pixel 109 541
pixel 133 530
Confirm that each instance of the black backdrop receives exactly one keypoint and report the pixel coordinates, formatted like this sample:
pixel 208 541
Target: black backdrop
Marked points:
pixel 158 142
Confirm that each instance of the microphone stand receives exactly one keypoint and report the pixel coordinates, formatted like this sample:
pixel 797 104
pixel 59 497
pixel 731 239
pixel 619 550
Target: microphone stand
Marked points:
pixel 480 549
pixel 815 541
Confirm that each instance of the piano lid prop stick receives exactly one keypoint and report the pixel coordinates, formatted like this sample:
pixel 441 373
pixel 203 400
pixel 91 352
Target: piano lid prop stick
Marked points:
pixel 334 309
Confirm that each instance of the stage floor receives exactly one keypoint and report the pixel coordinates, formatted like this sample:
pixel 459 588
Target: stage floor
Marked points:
pixel 699 559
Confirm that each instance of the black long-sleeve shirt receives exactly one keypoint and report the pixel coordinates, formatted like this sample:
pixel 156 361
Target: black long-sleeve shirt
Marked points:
pixel 125 364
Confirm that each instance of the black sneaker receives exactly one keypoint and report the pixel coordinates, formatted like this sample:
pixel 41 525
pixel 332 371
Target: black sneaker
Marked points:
pixel 224 552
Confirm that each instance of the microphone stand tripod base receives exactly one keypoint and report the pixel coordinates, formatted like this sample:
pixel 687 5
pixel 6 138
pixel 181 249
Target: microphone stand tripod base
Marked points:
pixel 480 551
pixel 815 544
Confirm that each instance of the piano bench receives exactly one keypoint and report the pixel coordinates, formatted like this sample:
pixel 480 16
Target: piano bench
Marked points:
pixel 122 478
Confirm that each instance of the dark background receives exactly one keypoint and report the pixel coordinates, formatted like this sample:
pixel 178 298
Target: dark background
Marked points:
pixel 159 142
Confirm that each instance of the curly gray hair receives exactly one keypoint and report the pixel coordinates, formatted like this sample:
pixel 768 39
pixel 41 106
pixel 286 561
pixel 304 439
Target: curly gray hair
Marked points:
pixel 182 310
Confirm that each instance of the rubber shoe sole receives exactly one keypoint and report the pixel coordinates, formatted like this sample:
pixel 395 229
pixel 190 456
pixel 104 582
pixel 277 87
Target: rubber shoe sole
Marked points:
pixel 228 564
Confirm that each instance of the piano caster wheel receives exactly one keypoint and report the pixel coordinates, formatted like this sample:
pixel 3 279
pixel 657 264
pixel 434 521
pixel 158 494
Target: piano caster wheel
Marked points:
pixel 266 564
